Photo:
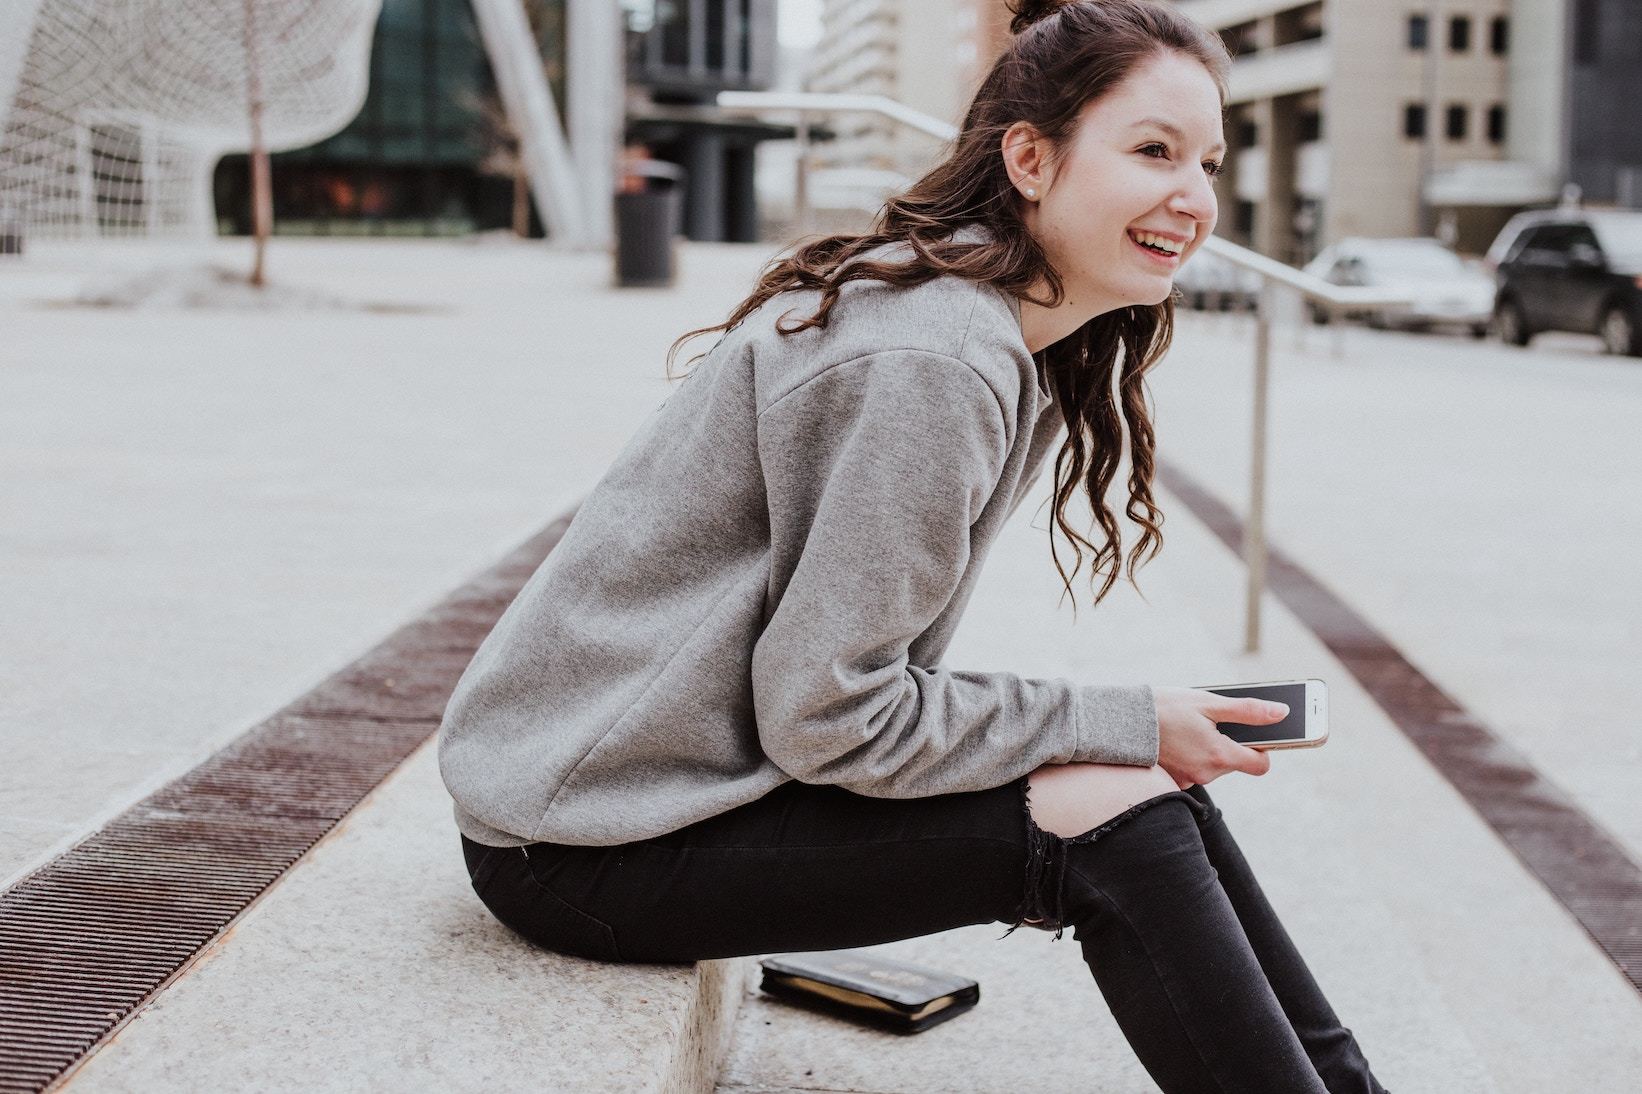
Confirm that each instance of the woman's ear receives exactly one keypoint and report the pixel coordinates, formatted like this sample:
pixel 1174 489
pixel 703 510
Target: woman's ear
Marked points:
pixel 1026 158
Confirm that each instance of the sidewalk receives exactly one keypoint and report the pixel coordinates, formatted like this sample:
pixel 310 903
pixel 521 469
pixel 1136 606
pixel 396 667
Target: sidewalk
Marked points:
pixel 280 492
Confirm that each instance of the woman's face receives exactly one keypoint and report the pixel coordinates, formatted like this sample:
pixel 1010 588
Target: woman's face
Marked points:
pixel 1139 165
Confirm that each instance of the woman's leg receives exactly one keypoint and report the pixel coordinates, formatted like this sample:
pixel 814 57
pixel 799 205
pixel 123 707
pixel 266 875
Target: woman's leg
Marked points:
pixel 803 868
pixel 1333 1050
pixel 1160 900
pixel 815 867
pixel 1171 959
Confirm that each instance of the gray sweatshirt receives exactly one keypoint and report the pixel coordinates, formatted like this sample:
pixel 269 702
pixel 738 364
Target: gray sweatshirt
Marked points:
pixel 762 585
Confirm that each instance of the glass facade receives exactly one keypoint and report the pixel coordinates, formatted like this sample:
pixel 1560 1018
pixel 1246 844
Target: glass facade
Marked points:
pixel 429 152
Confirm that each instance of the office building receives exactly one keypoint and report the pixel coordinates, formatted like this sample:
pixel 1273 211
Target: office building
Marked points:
pixel 929 55
pixel 1423 118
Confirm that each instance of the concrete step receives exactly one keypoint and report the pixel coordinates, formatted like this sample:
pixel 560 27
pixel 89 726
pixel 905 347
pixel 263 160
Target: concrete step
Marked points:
pixel 373 967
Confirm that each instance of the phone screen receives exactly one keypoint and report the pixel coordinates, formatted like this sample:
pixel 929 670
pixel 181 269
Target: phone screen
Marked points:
pixel 1291 728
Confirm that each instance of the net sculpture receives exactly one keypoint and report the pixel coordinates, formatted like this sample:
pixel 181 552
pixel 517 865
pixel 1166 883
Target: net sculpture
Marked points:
pixel 114 113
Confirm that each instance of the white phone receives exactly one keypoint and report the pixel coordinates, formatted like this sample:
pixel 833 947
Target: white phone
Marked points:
pixel 1305 727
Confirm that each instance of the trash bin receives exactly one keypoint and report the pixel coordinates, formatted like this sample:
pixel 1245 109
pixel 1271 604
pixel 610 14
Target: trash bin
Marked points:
pixel 648 216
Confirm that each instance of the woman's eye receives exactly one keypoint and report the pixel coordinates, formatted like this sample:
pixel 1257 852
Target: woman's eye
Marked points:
pixel 1211 166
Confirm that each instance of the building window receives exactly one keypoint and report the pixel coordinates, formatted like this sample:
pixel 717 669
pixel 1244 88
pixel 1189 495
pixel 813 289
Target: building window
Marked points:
pixel 1310 24
pixel 1456 122
pixel 1418 25
pixel 1499 36
pixel 1414 120
pixel 1240 40
pixel 1248 134
pixel 1459 34
pixel 1496 124
pixel 1311 126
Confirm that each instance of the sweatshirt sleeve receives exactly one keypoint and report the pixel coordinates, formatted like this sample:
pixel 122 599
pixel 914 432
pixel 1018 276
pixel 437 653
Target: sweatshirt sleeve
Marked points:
pixel 875 470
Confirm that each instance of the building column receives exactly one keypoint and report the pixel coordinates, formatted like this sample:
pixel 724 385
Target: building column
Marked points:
pixel 743 194
pixel 704 186
pixel 1277 119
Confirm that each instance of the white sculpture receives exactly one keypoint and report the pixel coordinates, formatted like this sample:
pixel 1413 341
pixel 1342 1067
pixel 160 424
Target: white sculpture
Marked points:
pixel 113 113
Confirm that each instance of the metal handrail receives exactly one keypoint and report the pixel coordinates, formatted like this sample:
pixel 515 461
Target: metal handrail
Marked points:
pixel 1334 298
pixel 807 103
pixel 819 102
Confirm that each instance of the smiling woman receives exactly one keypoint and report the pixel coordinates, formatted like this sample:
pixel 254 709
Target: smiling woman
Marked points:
pixel 1087 155
pixel 1129 198
pixel 717 721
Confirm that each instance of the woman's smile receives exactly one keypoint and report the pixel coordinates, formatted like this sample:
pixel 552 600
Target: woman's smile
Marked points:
pixel 1164 252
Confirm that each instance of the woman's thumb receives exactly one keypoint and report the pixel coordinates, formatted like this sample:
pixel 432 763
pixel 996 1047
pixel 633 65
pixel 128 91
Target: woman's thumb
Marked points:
pixel 1254 762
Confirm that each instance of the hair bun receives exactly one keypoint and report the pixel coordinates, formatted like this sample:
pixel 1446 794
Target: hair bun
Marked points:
pixel 1027 12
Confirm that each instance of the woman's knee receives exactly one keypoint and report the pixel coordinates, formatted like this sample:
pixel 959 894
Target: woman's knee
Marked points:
pixel 1070 799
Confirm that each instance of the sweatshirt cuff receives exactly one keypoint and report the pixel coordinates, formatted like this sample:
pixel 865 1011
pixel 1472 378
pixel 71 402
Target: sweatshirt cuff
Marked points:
pixel 1117 725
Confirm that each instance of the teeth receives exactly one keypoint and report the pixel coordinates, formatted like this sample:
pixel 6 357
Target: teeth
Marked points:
pixel 1170 245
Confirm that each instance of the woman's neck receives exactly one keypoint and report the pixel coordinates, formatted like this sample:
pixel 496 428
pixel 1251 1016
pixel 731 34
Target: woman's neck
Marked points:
pixel 1041 326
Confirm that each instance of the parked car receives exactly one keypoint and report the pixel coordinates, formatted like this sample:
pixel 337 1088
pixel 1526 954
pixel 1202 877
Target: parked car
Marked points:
pixel 1446 289
pixel 1208 282
pixel 1570 270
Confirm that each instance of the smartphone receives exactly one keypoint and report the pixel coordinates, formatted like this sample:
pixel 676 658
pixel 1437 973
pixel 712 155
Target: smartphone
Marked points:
pixel 1305 727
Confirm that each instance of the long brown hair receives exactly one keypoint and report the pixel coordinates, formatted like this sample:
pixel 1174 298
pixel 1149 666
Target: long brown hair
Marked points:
pixel 1063 56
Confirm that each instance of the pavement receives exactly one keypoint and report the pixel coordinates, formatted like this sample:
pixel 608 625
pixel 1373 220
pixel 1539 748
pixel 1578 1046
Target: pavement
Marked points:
pixel 215 508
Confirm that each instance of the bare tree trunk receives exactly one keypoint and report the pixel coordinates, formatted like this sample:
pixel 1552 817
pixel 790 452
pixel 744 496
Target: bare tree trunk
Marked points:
pixel 262 197
pixel 521 202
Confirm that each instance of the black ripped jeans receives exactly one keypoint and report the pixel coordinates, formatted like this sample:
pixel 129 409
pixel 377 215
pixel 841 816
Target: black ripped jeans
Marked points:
pixel 1189 955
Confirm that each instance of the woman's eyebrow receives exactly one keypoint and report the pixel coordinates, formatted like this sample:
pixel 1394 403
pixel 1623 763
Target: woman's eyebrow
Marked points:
pixel 1172 130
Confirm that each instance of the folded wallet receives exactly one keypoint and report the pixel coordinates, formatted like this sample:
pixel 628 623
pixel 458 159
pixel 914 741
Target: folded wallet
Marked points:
pixel 878 991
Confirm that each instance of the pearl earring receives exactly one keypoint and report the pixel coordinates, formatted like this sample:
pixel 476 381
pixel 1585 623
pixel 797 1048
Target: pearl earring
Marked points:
pixel 1031 193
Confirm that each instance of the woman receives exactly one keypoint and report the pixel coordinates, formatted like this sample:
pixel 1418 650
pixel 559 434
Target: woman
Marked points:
pixel 714 723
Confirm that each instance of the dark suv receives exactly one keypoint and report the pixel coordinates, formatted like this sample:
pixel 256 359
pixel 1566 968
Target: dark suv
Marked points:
pixel 1571 270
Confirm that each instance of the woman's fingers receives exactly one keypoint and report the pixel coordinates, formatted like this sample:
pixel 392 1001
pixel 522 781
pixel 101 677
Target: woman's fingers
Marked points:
pixel 1193 750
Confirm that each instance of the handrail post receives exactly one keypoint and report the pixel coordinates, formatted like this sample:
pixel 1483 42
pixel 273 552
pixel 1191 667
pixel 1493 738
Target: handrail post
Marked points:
pixel 1254 536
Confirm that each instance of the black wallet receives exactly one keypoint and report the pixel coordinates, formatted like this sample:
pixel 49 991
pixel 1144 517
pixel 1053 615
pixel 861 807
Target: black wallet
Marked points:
pixel 879 991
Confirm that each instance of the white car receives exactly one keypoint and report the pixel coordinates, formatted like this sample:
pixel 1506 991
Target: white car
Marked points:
pixel 1447 290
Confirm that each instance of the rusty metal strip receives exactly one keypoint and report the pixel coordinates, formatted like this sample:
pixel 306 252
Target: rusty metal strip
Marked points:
pixel 90 937
pixel 1584 867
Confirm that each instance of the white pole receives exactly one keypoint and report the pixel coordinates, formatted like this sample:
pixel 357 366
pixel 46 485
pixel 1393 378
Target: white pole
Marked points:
pixel 594 93
pixel 528 100
pixel 85 177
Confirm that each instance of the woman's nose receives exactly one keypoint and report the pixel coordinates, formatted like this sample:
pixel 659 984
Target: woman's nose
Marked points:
pixel 1196 198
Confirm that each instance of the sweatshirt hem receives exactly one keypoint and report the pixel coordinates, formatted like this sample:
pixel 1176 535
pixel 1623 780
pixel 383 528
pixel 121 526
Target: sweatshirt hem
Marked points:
pixel 480 832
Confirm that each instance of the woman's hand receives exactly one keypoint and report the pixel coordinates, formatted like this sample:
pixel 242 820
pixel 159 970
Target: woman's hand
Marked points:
pixel 1192 750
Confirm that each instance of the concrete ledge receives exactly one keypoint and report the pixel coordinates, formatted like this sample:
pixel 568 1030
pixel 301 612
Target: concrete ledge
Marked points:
pixel 709 1022
pixel 372 966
